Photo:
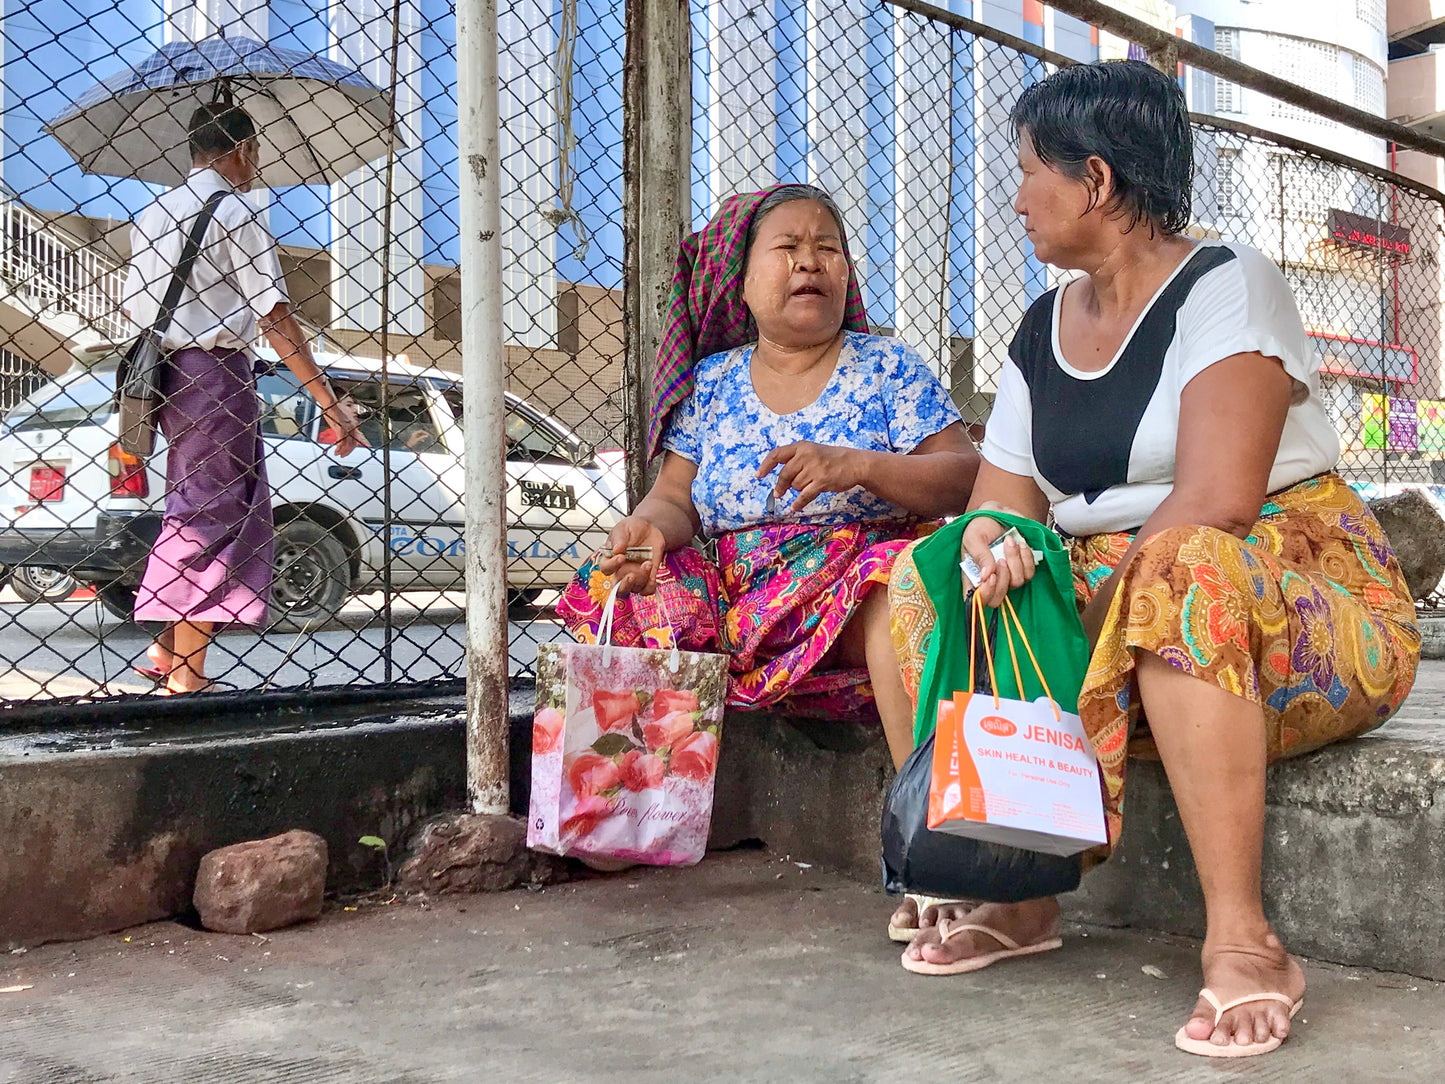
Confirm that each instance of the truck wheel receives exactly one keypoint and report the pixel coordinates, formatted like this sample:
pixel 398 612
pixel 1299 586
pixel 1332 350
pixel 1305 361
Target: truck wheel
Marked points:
pixel 118 599
pixel 521 600
pixel 312 577
pixel 35 584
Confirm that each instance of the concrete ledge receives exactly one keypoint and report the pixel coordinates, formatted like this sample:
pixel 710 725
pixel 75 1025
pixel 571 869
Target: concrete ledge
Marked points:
pixel 810 789
pixel 1354 847
pixel 1432 637
pixel 104 830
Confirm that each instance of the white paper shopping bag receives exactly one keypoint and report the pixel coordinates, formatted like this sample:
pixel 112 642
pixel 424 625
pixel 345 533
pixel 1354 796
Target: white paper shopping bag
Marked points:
pixel 1015 772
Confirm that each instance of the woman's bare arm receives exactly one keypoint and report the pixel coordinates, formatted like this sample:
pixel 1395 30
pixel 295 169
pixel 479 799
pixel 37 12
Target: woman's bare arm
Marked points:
pixel 933 480
pixel 999 490
pixel 663 521
pixel 1231 417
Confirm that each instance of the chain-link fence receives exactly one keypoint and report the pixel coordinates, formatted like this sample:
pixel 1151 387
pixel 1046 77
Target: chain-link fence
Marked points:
pixel 336 571
pixel 904 119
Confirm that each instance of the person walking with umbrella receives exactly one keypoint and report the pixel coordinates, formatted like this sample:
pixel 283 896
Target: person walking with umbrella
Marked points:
pixel 211 566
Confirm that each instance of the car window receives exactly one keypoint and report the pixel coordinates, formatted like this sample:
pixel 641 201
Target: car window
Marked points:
pixel 286 411
pixel 528 438
pixel 535 441
pixel 87 401
pixel 412 425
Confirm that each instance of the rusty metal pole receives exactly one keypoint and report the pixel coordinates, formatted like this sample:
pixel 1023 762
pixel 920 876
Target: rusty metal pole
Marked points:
pixel 657 174
pixel 1165 57
pixel 484 405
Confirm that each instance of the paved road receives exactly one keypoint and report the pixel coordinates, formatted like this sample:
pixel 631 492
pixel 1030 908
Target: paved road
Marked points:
pixel 77 648
pixel 746 968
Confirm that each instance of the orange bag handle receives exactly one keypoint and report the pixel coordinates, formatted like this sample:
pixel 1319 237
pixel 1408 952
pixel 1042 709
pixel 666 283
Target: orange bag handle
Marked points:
pixel 1007 611
pixel 978 621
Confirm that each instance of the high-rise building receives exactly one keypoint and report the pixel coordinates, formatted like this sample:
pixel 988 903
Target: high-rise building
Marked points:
pixel 1371 307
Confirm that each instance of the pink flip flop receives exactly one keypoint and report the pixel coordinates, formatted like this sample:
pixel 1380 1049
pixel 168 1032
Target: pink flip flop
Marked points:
pixel 1205 1049
pixel 1011 948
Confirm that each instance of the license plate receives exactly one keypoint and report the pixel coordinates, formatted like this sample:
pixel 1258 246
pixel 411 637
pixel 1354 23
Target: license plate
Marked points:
pixel 47 483
pixel 541 495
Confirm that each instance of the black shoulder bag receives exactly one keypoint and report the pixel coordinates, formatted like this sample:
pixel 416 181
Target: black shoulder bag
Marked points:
pixel 138 379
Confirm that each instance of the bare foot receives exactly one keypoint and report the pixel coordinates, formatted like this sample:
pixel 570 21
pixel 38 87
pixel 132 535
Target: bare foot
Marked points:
pixel 161 658
pixel 183 679
pixel 1027 923
pixel 1233 971
pixel 908 918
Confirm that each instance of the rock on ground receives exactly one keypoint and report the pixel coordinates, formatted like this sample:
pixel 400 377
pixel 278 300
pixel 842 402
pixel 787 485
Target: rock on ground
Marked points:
pixel 263 884
pixel 474 852
pixel 1417 532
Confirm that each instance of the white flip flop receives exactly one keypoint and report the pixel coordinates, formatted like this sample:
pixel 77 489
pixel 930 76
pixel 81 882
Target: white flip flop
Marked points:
pixel 1205 1049
pixel 905 934
pixel 1011 948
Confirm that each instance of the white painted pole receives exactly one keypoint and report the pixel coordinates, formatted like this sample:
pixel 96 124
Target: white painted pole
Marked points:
pixel 484 405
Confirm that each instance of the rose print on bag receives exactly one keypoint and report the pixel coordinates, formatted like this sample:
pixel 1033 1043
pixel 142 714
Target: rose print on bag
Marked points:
pixel 588 814
pixel 625 749
pixel 668 730
pixel 669 700
pixel 589 774
pixel 641 771
pixel 695 756
pixel 547 731
pixel 615 710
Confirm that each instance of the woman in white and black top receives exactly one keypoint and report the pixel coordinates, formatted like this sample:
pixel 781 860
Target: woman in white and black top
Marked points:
pixel 1165 408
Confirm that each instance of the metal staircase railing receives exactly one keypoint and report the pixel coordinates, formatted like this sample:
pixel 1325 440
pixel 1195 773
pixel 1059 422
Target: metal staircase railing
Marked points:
pixel 60 280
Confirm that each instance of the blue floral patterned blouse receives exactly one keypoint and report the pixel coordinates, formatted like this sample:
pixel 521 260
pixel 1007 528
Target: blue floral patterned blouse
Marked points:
pixel 881 397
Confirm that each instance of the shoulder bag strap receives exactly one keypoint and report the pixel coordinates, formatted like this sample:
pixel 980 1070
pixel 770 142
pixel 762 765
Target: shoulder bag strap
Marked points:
pixel 182 273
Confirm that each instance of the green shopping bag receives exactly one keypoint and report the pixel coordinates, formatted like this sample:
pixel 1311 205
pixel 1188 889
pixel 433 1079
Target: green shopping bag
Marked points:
pixel 1045 607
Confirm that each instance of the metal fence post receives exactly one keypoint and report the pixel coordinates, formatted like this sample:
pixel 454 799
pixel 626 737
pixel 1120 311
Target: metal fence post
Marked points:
pixel 657 171
pixel 484 405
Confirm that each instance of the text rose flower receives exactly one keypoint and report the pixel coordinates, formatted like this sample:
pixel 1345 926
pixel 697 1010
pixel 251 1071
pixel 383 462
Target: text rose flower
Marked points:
pixel 586 815
pixel 667 731
pixel 591 773
pixel 641 771
pixel 669 700
pixel 615 710
pixel 695 756
pixel 546 730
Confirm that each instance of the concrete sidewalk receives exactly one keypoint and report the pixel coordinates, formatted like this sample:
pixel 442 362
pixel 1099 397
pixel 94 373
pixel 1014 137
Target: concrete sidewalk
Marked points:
pixel 746 968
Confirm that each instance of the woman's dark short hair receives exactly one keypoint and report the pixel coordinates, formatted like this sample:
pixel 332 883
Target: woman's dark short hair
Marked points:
pixel 1129 114
pixel 219 128
pixel 788 193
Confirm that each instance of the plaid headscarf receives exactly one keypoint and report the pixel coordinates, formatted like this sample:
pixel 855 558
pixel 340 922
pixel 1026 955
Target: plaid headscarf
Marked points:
pixel 705 309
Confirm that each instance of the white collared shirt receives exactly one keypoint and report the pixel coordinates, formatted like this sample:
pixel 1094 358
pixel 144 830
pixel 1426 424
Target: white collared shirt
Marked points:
pixel 236 278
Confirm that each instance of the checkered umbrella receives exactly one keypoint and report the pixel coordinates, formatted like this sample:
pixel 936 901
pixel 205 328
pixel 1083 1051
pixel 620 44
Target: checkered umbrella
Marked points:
pixel 317 120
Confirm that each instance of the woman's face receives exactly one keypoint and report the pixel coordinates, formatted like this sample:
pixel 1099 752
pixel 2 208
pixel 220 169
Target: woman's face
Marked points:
pixel 797 279
pixel 1055 209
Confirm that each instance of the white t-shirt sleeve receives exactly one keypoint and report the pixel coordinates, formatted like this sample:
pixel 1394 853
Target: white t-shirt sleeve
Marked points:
pixel 134 287
pixel 1243 307
pixel 257 266
pixel 1008 435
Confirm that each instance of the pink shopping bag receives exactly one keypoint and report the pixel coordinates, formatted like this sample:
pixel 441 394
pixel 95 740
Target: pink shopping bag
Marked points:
pixel 624 750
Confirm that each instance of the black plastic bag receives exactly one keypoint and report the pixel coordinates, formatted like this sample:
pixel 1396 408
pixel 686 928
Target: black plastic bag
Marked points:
pixel 918 859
